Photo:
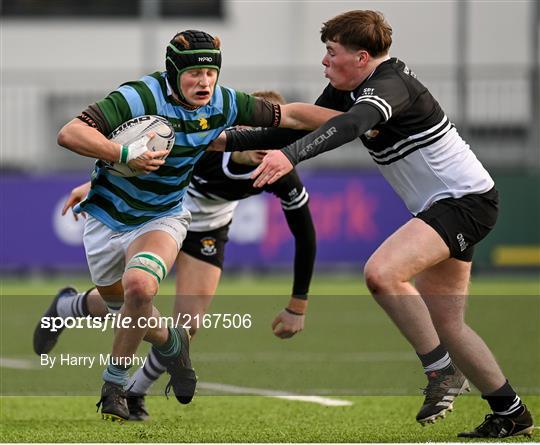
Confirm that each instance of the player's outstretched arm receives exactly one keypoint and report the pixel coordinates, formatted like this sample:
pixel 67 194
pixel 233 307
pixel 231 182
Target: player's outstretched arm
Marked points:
pixel 333 134
pixel 242 139
pixel 298 215
pixel 301 116
pixel 75 197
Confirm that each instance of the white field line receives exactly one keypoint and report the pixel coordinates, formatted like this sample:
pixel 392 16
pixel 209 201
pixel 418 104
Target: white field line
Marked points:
pixel 13 363
pixel 221 387
pixel 18 363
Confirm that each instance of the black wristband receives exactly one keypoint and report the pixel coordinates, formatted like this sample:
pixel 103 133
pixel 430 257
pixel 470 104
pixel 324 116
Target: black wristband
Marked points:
pixel 293 313
pixel 276 108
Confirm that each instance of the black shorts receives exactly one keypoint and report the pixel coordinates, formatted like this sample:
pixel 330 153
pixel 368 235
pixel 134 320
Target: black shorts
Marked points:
pixel 463 222
pixel 207 246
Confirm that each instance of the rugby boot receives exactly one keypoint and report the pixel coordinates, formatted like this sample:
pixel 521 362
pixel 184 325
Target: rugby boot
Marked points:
pixel 44 338
pixel 137 407
pixel 113 403
pixel 183 379
pixel 443 387
pixel 495 426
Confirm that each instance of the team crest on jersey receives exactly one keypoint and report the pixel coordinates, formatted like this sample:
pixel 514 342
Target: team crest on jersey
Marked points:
pixel 203 123
pixel 208 246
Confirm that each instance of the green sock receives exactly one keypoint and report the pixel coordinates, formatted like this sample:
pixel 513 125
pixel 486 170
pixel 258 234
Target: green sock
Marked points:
pixel 172 346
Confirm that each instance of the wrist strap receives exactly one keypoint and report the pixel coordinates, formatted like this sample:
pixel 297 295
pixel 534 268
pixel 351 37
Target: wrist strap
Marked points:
pixel 124 151
pixel 292 312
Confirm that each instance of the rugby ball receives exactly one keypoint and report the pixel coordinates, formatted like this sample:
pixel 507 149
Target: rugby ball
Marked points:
pixel 135 129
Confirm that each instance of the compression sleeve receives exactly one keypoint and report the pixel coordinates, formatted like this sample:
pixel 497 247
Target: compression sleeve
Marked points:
pixel 261 138
pixel 337 131
pixel 303 230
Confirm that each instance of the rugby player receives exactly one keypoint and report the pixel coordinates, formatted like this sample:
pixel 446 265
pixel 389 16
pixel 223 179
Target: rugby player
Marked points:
pixel 449 193
pixel 135 226
pixel 219 181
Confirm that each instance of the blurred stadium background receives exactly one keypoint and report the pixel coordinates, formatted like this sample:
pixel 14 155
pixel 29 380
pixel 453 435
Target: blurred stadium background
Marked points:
pixel 480 59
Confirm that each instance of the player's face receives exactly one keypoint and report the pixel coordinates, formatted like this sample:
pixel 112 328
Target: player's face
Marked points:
pixel 197 85
pixel 341 66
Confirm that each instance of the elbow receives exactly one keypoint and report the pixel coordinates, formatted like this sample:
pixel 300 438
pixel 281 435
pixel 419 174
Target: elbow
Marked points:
pixel 67 134
pixel 63 136
pixel 349 125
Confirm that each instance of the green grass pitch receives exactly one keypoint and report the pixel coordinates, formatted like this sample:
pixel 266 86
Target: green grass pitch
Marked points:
pixel 349 352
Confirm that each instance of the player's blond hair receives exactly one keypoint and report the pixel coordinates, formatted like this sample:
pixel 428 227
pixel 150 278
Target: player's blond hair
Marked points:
pixel 180 39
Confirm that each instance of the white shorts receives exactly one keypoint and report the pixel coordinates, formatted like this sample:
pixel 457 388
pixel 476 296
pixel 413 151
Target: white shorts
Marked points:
pixel 106 249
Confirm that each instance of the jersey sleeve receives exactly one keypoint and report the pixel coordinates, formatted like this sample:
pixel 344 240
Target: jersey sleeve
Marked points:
pixel 107 114
pixel 256 112
pixel 388 95
pixel 130 100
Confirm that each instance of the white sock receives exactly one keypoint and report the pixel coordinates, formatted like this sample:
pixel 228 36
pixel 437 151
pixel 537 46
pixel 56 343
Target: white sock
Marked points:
pixel 69 306
pixel 439 364
pixel 146 375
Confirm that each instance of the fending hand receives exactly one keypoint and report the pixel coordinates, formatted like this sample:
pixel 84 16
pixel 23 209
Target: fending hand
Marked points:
pixel 274 166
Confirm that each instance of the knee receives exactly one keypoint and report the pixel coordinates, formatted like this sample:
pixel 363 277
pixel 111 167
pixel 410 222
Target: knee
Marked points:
pixel 378 277
pixel 139 290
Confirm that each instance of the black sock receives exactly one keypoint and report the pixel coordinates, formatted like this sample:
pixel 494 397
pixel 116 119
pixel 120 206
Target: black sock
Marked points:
pixel 505 401
pixel 435 360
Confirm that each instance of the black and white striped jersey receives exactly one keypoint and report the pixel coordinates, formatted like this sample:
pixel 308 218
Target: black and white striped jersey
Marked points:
pixel 416 147
pixel 218 183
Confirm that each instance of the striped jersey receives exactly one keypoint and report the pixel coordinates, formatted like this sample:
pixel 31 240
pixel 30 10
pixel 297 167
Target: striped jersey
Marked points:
pixel 218 183
pixel 126 203
pixel 415 146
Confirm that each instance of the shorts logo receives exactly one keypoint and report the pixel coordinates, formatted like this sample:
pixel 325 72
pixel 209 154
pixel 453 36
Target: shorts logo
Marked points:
pixel 462 243
pixel 208 246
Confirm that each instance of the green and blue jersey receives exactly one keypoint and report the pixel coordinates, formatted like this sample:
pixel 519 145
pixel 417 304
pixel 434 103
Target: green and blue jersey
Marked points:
pixel 126 203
